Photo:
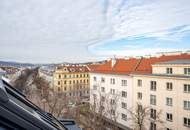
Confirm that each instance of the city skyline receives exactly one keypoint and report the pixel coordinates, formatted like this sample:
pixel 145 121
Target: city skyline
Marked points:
pixel 55 31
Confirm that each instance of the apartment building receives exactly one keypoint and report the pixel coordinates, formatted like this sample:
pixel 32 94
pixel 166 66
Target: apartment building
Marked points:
pixel 72 80
pixel 166 89
pixel 111 83
pixel 161 83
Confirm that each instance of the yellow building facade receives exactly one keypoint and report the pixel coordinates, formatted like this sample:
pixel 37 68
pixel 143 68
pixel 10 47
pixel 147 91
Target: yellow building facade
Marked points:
pixel 72 80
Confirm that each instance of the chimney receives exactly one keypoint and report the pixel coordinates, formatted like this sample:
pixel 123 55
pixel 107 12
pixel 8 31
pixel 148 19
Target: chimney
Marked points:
pixel 113 61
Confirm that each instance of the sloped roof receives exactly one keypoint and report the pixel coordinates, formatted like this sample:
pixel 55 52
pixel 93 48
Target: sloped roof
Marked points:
pixel 92 66
pixel 145 66
pixel 175 62
pixel 134 65
pixel 122 66
pixel 74 68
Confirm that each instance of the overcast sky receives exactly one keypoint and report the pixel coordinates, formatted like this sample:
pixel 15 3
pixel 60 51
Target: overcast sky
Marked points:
pixel 46 31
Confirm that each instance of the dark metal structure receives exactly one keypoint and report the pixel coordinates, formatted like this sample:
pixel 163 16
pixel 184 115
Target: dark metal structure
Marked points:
pixel 18 113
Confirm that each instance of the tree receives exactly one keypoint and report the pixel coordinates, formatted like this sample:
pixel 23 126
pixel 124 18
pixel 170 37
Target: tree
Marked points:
pixel 112 109
pixel 142 117
pixel 38 90
pixel 103 110
pixel 23 82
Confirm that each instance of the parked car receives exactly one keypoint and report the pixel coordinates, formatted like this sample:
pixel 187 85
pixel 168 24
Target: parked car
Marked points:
pixel 18 113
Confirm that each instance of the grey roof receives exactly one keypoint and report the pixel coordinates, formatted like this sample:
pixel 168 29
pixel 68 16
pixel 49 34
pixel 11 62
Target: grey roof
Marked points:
pixel 166 75
pixel 182 61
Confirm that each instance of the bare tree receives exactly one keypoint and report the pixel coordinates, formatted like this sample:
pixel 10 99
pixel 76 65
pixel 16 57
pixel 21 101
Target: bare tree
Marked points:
pixel 103 109
pixel 112 109
pixel 22 83
pixel 43 95
pixel 97 111
pixel 141 117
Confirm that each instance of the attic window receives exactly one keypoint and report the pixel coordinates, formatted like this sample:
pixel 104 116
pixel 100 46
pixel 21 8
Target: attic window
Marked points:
pixel 169 70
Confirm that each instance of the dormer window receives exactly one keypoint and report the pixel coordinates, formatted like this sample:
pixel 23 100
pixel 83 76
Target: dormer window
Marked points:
pixel 169 70
pixel 187 71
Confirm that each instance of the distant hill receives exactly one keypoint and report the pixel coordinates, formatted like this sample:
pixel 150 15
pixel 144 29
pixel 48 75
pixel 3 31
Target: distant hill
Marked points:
pixel 15 64
pixel 51 65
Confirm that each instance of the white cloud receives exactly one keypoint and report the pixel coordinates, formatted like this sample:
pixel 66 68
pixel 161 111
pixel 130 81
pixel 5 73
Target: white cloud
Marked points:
pixel 152 18
pixel 139 52
pixel 67 30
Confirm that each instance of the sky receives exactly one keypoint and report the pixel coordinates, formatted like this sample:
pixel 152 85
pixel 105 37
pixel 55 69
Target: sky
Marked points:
pixel 54 31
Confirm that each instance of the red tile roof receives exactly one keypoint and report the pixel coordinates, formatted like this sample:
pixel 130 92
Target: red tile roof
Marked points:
pixel 145 65
pixel 122 66
pixel 133 65
pixel 92 66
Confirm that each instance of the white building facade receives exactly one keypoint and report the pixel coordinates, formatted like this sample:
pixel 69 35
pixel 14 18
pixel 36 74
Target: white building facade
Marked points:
pixel 114 87
pixel 167 90
pixel 160 83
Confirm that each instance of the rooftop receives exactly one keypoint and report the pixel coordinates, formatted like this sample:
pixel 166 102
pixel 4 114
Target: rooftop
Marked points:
pixel 74 68
pixel 176 62
pixel 136 65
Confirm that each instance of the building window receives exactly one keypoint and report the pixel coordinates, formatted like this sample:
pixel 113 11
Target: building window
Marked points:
pixel 58 82
pixel 153 113
pixel 186 105
pixel 152 126
pixel 139 107
pixel 112 91
pixel 124 117
pixel 124 94
pixel 139 95
pixel 169 86
pixel 65 82
pixel 65 88
pixel 168 129
pixel 139 82
pixel 169 117
pixel 123 82
pixel 103 98
pixel 169 70
pixel 186 121
pixel 153 99
pixel 187 71
pixel 112 112
pixel 112 81
pixel 103 80
pixel 59 89
pixel 94 97
pixel 103 89
pixel 186 88
pixel 153 85
pixel 102 108
pixel 95 87
pixel 124 105
pixel 59 76
pixel 95 78
pixel 169 101
pixel 112 102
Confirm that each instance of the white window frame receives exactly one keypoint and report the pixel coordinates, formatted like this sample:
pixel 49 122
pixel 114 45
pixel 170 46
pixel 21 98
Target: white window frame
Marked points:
pixel 186 105
pixel 169 101
pixel 186 88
